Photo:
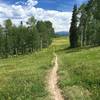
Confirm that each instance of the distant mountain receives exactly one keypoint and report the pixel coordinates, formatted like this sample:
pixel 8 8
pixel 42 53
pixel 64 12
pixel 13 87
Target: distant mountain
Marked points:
pixel 62 33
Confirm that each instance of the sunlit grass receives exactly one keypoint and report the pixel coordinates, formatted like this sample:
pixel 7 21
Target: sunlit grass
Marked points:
pixel 79 73
pixel 23 77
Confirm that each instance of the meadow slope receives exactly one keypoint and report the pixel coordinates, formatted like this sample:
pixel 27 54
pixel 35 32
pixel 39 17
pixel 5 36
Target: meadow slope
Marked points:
pixel 79 71
pixel 23 77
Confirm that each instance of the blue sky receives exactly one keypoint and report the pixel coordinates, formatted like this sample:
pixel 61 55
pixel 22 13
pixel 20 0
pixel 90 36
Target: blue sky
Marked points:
pixel 60 5
pixel 57 11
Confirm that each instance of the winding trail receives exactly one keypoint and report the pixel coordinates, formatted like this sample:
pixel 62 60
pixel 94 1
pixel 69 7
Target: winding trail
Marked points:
pixel 52 81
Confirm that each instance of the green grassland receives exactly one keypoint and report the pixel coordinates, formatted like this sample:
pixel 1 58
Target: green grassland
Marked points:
pixel 23 77
pixel 79 71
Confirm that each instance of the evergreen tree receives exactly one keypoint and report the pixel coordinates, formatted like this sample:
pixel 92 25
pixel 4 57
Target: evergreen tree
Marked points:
pixel 73 29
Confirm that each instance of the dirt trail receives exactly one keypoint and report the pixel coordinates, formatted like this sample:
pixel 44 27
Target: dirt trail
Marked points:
pixel 52 82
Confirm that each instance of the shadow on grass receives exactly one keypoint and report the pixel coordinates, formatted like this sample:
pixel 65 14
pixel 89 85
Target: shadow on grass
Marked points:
pixel 78 49
pixel 68 50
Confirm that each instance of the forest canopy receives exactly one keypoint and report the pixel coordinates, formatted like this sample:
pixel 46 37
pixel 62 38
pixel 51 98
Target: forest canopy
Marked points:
pixel 23 39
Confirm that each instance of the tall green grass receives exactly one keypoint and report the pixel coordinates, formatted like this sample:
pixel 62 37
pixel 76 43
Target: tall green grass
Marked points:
pixel 23 77
pixel 79 72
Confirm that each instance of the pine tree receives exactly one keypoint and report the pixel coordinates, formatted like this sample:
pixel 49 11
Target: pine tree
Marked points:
pixel 73 29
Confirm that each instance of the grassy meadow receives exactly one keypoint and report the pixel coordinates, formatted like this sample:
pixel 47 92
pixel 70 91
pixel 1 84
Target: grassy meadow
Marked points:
pixel 23 77
pixel 79 71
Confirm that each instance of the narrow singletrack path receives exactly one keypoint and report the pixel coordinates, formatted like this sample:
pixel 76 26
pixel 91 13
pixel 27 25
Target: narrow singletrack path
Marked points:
pixel 52 81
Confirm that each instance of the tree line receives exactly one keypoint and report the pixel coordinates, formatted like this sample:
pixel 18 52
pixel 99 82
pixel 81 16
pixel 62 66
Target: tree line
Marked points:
pixel 85 25
pixel 22 39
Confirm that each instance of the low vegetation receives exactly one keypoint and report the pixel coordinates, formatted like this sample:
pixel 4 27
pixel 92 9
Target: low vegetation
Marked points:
pixel 23 77
pixel 79 71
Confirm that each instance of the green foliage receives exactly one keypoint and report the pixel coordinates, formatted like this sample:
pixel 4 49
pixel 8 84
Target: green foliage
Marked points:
pixel 73 29
pixel 15 40
pixel 45 31
pixel 89 23
pixel 8 23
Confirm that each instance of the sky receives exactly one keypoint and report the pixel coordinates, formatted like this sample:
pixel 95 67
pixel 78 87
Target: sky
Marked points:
pixel 59 12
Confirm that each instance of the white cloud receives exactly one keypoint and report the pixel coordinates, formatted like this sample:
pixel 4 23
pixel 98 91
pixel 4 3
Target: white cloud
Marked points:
pixel 31 2
pixel 60 20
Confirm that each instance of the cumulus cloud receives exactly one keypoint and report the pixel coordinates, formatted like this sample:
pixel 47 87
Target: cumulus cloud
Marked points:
pixel 31 2
pixel 17 12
